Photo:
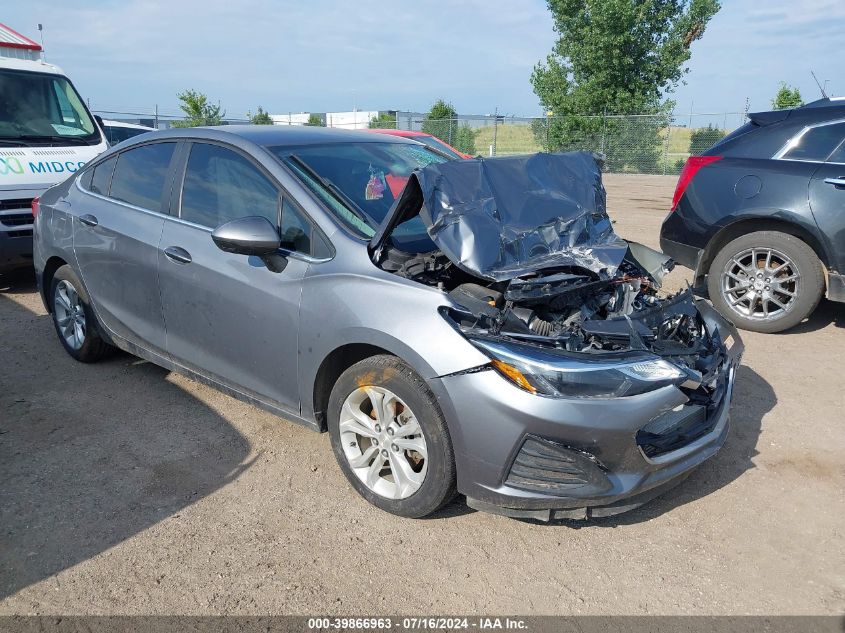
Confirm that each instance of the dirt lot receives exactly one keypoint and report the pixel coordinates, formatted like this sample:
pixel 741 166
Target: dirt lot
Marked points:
pixel 126 489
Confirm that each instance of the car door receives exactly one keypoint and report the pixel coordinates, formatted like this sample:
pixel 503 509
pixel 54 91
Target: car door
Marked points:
pixel 117 227
pixel 827 201
pixel 228 316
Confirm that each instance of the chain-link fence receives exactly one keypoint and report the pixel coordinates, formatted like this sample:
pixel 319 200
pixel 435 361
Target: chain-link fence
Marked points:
pixel 643 144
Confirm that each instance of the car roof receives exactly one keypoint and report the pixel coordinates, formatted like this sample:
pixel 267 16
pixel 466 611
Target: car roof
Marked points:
pixel 279 135
pixel 134 126
pixel 402 133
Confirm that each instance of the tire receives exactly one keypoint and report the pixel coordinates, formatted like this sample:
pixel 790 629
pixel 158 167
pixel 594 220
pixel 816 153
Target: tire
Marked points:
pixel 766 302
pixel 356 434
pixel 74 319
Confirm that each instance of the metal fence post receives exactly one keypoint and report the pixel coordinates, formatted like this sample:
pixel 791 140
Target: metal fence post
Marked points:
pixel 495 128
pixel 603 130
pixel 666 144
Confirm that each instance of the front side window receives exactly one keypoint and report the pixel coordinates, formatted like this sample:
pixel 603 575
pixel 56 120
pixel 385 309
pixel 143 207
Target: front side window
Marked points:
pixel 42 109
pixel 140 174
pixel 817 143
pixel 221 185
pixel 298 233
pixel 838 155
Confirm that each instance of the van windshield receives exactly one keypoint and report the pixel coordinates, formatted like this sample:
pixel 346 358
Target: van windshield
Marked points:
pixel 42 109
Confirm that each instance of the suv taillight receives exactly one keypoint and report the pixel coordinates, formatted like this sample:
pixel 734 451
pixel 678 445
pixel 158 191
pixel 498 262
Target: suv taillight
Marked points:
pixel 34 206
pixel 691 167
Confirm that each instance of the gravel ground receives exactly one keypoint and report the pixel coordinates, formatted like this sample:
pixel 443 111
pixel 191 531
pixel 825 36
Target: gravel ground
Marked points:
pixel 129 490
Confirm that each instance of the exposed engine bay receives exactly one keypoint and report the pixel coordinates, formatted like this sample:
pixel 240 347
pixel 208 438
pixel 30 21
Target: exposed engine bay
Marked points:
pixel 526 251
pixel 574 309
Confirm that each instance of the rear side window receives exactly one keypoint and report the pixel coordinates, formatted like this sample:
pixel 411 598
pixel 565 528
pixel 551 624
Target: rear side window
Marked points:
pixel 221 185
pixel 140 174
pixel 101 176
pixel 817 143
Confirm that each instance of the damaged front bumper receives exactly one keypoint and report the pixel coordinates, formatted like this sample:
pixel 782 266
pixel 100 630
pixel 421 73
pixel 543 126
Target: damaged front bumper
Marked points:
pixel 529 456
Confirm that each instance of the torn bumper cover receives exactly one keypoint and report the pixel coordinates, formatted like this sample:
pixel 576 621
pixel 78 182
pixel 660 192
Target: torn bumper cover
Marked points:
pixel 582 458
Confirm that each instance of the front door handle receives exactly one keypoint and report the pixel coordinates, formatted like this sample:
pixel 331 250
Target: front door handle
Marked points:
pixel 836 182
pixel 88 219
pixel 177 254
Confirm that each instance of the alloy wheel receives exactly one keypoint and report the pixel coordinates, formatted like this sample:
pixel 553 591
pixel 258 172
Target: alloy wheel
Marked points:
pixel 69 314
pixel 760 284
pixel 383 442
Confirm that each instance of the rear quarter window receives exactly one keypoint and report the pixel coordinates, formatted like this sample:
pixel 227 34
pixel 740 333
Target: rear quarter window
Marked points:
pixel 817 143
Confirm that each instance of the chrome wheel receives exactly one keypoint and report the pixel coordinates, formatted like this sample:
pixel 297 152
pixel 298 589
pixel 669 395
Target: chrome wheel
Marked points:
pixel 69 314
pixel 383 442
pixel 760 284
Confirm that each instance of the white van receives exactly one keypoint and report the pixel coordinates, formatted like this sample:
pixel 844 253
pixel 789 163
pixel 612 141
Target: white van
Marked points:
pixel 46 134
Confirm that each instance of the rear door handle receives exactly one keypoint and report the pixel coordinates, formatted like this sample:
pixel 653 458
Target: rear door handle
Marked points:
pixel 836 182
pixel 177 254
pixel 88 219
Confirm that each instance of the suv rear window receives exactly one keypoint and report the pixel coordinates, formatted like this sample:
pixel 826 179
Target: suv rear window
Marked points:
pixel 817 143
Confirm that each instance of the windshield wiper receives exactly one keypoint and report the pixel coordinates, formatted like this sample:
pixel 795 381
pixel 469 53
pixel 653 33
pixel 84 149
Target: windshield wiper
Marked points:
pixel 64 140
pixel 9 141
pixel 327 184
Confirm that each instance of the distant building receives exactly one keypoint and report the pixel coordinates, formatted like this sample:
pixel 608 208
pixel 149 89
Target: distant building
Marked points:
pixel 15 46
pixel 355 120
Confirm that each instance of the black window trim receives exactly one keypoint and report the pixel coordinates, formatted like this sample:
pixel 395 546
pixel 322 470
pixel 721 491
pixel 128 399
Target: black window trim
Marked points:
pixel 790 144
pixel 179 183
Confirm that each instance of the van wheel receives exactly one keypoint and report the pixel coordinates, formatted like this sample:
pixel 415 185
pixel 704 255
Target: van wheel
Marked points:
pixel 390 439
pixel 766 281
pixel 73 318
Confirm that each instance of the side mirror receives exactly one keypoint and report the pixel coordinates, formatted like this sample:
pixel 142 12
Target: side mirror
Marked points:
pixel 252 235
pixel 99 121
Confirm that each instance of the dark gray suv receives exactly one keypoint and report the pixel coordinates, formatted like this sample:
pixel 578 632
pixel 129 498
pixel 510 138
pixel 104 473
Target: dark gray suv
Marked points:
pixel 472 326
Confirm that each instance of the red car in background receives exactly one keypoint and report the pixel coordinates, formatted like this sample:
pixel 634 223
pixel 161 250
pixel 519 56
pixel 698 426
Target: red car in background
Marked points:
pixel 427 139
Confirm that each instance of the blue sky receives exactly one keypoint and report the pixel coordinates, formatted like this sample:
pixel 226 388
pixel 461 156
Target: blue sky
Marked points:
pixel 326 55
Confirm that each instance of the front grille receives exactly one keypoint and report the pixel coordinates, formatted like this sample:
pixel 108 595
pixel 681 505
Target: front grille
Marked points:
pixel 16 224
pixel 16 203
pixel 16 219
pixel 545 466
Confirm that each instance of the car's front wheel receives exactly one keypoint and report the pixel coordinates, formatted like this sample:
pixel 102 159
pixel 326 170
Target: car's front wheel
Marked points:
pixel 390 438
pixel 74 319
pixel 766 281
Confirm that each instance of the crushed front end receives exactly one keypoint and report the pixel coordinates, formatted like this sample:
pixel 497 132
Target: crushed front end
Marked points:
pixel 601 390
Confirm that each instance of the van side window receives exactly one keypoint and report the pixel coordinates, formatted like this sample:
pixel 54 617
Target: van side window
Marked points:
pixel 101 177
pixel 140 174
pixel 221 185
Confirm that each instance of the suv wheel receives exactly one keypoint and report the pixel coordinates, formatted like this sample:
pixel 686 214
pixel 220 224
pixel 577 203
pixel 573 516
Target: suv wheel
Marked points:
pixel 73 318
pixel 766 281
pixel 390 438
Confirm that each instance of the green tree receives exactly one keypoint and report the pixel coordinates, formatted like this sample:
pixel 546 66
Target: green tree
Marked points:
pixel 704 138
pixel 465 139
pixel 384 121
pixel 787 97
pixel 616 57
pixel 260 118
pixel 314 120
pixel 198 111
pixel 441 121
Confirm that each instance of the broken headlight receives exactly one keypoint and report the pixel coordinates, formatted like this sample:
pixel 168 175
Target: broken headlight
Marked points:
pixel 563 376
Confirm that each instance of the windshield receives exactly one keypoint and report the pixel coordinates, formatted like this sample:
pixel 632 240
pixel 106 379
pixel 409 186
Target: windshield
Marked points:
pixel 42 109
pixel 359 182
pixel 440 146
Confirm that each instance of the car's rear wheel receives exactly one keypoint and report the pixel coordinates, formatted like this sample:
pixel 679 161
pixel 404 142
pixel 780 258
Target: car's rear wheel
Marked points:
pixel 390 438
pixel 766 281
pixel 73 318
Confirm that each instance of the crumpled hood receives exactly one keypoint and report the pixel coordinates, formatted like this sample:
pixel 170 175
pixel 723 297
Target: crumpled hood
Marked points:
pixel 500 218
